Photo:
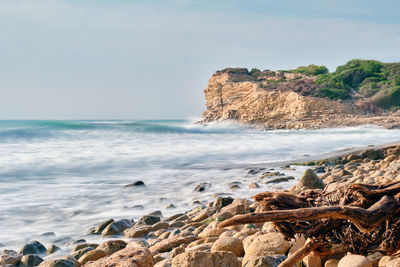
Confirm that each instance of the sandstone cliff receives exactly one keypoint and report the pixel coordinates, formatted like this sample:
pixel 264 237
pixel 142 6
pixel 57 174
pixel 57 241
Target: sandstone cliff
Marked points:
pixel 284 100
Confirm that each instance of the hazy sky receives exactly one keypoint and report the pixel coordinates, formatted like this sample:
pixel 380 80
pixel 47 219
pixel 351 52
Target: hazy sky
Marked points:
pixel 147 59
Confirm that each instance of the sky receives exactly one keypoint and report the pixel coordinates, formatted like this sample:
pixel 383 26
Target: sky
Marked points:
pixel 128 59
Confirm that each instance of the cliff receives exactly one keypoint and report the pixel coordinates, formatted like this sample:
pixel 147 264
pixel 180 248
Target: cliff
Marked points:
pixel 289 100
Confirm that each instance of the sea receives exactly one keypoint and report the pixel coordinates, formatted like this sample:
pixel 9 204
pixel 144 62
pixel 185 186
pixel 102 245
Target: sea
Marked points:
pixel 60 178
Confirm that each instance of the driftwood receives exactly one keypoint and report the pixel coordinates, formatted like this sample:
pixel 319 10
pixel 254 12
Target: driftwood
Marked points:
pixel 361 219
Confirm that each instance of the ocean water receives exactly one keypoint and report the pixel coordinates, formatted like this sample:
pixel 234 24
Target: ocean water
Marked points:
pixel 65 176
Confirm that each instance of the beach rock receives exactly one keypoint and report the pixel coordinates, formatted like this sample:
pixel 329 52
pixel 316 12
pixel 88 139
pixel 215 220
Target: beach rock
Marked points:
pixel 30 261
pixel 117 227
pixel 253 185
pixel 202 187
pixel 310 180
pixel 221 202
pixel 215 232
pixel 92 256
pixel 135 232
pixel 384 260
pixel 58 263
pixel 331 263
pixel 393 263
pixel 280 180
pixel 84 245
pixel 112 246
pixel 172 242
pixel 312 260
pixel 238 206
pixel 201 247
pixel 131 256
pixel 263 261
pixel 163 263
pixel 79 253
pixel 374 258
pixel 9 257
pixel 231 244
pixel 135 183
pixel 52 249
pixel 206 259
pixel 264 244
pixel 149 220
pixel 101 227
pixel 374 154
pixel 34 247
pixel 354 261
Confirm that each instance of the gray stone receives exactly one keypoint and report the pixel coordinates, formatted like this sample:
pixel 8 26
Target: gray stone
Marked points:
pixel 117 227
pixel 202 187
pixel 264 261
pixel 34 247
pixel 30 261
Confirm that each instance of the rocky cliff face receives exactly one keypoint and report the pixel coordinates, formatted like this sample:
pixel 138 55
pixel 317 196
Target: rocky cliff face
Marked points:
pixel 281 100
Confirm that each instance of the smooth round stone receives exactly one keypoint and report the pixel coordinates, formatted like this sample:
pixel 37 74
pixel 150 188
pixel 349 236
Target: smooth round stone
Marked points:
pixel 228 243
pixel 354 261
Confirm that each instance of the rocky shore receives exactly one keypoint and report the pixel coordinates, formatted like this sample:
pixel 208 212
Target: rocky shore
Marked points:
pixel 285 100
pixel 193 239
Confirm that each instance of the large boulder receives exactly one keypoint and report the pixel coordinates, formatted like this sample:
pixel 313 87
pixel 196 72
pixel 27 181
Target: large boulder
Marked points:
pixel 206 259
pixel 92 255
pixel 112 246
pixel 354 261
pixel 263 261
pixel 9 257
pixel 231 244
pixel 131 256
pixel 34 247
pixel 265 244
pixel 310 180
pixel 117 227
pixel 30 261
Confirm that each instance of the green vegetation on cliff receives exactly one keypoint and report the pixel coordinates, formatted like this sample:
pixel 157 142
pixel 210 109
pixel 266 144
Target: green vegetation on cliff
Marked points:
pixel 371 79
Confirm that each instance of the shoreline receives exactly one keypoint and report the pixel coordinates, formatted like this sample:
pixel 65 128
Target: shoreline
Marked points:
pixel 145 229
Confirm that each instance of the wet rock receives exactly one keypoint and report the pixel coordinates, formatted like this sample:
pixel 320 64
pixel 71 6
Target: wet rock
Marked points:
pixel 202 187
pixel 200 258
pixel 30 261
pixel 112 246
pixel 263 261
pixel 170 206
pixel 34 247
pixel 101 226
pixel 310 180
pixel 9 257
pixel 79 253
pixel 48 234
pixel 52 249
pixel 149 220
pixel 92 255
pixel 234 186
pixel 255 171
pixel 231 244
pixel 132 256
pixel 253 185
pixel 58 263
pixel 280 180
pixel 172 242
pixel 319 169
pixel 270 174
pixel 135 183
pixel 117 227
pixel 136 232
pixel 354 261
pixel 374 154
pixel 84 245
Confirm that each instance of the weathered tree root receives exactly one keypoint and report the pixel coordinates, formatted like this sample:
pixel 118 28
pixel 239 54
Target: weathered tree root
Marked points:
pixel 362 218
